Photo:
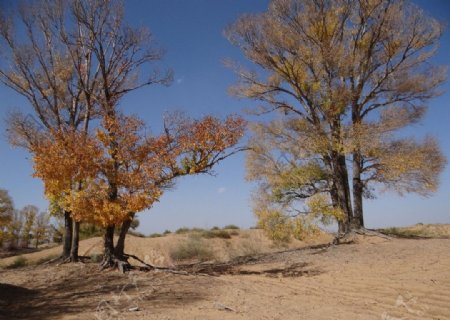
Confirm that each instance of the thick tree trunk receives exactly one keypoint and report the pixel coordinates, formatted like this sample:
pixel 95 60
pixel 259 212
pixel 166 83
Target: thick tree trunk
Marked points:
pixel 75 241
pixel 120 246
pixel 343 193
pixel 108 244
pixel 67 239
pixel 358 221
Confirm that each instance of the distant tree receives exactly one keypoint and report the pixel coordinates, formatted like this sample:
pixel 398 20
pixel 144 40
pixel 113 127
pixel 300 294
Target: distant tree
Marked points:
pixel 29 214
pixel 41 228
pixel 345 75
pixel 134 224
pixel 6 214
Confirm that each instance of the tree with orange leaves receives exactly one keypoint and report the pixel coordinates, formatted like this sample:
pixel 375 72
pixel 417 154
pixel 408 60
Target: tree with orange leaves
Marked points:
pixel 123 171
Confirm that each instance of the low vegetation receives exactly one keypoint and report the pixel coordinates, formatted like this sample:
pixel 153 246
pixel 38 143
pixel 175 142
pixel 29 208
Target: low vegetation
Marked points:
pixel 195 248
pixel 216 234
pixel 19 262
pixel 418 231
pixel 231 226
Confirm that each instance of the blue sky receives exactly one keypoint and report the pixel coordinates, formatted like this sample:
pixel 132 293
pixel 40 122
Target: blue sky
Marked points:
pixel 192 34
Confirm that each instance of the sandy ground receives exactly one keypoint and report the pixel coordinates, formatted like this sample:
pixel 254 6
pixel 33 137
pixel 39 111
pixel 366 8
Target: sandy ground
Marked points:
pixel 373 278
pixel 157 250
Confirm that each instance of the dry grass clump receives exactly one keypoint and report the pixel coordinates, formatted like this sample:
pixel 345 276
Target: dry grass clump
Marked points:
pixel 419 230
pixel 19 262
pixel 209 234
pixel 195 248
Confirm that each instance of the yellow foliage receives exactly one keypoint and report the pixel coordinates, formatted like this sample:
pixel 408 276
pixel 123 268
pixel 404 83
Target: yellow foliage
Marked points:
pixel 275 224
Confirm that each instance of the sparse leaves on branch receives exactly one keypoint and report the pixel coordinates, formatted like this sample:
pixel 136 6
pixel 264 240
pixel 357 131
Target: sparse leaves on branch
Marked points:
pixel 343 77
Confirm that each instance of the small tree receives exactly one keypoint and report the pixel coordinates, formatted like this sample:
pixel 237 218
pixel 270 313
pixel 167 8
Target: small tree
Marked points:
pixel 29 214
pixel 6 214
pixel 41 228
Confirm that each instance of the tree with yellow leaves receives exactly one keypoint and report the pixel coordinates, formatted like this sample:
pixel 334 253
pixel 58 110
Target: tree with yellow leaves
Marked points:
pixel 6 214
pixel 344 76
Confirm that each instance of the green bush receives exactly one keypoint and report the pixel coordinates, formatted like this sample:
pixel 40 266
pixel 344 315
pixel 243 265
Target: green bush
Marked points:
pixel 96 258
pixel 89 230
pixel 18 263
pixel 403 232
pixel 182 230
pixel 136 234
pixel 193 248
pixel 167 232
pixel 156 235
pixel 215 228
pixel 209 234
pixel 231 226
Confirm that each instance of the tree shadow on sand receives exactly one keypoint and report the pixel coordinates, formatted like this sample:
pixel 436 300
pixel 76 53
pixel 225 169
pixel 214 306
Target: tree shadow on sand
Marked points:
pixel 102 295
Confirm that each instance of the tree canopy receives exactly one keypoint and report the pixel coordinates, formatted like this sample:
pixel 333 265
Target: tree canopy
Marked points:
pixel 343 77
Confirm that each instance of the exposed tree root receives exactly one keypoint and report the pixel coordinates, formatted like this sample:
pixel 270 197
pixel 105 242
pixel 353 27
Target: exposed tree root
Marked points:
pixel 349 237
pixel 112 262
pixel 218 268
pixel 59 259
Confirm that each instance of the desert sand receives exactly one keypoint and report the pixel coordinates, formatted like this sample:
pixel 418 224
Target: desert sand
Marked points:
pixel 371 278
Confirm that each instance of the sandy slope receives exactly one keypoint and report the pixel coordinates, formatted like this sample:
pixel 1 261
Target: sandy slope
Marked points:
pixel 157 250
pixel 372 279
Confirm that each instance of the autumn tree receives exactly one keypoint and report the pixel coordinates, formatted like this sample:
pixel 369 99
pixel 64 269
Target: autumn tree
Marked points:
pixel 29 214
pixel 77 59
pixel 139 168
pixel 6 214
pixel 343 77
pixel 40 229
pixel 48 66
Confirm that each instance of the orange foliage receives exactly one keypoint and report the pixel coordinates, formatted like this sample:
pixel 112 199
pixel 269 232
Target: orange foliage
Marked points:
pixel 105 175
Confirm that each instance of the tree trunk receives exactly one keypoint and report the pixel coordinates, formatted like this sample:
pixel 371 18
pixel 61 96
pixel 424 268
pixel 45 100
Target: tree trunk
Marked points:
pixel 358 220
pixel 343 193
pixel 67 245
pixel 120 246
pixel 75 241
pixel 108 244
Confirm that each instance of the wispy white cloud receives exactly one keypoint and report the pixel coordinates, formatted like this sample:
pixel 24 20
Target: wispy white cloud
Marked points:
pixel 179 80
pixel 221 190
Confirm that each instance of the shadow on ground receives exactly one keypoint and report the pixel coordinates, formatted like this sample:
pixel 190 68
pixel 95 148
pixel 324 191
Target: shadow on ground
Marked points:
pixel 61 291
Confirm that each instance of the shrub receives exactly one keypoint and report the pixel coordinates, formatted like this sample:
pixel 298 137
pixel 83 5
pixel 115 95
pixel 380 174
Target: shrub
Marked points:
pixel 18 263
pixel 248 248
pixel 275 224
pixel 216 234
pixel 156 235
pixel 136 234
pixel 167 232
pixel 403 232
pixel 182 230
pixel 96 258
pixel 193 248
pixel 89 230
pixel 215 228
pixel 231 226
